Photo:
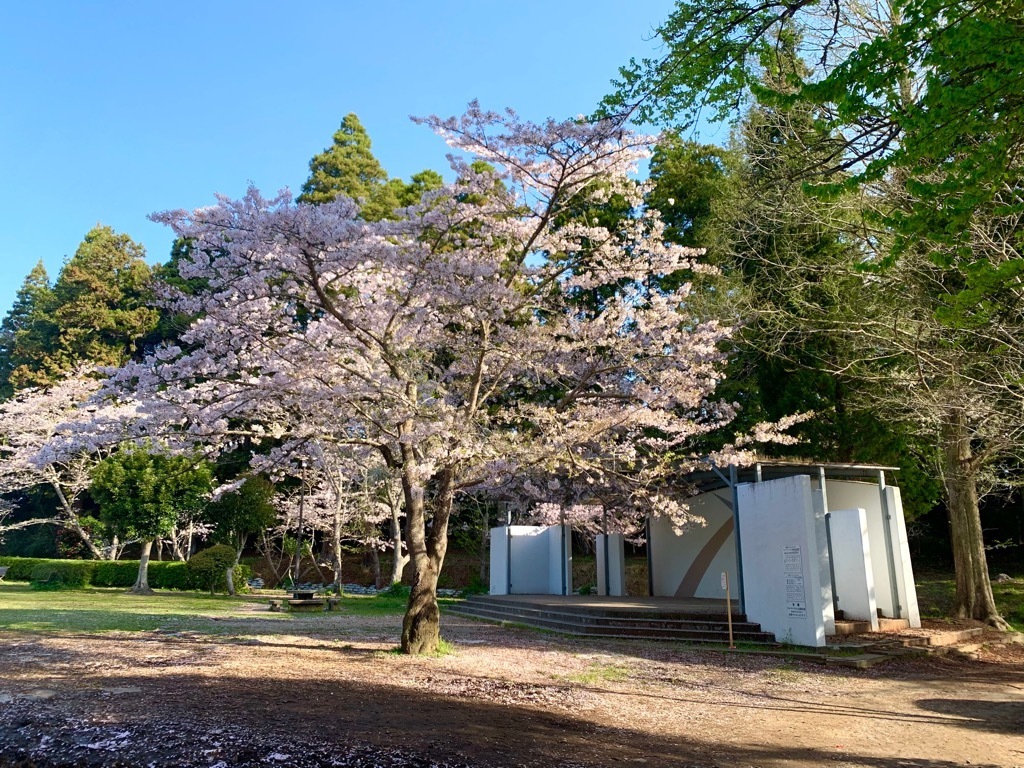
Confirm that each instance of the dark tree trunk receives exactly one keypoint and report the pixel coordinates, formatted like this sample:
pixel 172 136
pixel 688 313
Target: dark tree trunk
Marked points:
pixel 974 599
pixel 142 580
pixel 375 563
pixel 421 628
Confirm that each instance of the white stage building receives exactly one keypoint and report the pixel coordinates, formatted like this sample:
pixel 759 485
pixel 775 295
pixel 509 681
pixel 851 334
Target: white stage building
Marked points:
pixel 801 544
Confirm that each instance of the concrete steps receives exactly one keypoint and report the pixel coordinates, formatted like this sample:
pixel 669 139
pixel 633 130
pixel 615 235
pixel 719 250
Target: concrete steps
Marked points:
pixel 589 621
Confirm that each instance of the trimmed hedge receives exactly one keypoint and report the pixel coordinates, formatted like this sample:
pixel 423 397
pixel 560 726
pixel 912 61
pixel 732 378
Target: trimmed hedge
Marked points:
pixel 62 574
pixel 115 573
pixel 71 574
pixel 20 568
pixel 168 574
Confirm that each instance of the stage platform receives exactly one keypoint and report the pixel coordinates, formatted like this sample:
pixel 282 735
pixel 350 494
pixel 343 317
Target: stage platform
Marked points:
pixel 688 620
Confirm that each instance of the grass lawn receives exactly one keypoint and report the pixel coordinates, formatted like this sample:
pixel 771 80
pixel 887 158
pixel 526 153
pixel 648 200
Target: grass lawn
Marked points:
pixel 112 609
pixel 935 597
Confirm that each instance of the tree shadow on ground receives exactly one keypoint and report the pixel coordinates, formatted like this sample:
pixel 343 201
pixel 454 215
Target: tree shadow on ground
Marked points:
pixel 284 710
pixel 992 716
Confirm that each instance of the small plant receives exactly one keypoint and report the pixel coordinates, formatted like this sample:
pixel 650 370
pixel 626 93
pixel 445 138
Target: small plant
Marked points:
pixel 588 589
pixel 395 590
pixel 209 567
pixel 477 586
pixel 783 674
pixel 444 648
pixel 601 673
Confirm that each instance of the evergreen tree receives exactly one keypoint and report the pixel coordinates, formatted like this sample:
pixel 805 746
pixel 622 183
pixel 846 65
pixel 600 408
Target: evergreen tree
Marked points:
pixel 97 312
pixel 142 494
pixel 784 256
pixel 348 167
pixel 19 331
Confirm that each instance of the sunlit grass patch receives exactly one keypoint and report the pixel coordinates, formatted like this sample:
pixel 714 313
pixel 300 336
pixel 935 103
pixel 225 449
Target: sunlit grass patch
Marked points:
pixel 600 673
pixel 114 610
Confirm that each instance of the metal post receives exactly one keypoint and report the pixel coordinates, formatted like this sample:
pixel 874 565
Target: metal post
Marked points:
pixel 650 559
pixel 508 549
pixel 607 572
pixel 733 482
pixel 757 472
pixel 889 552
pixel 831 564
pixel 565 564
pixel 828 540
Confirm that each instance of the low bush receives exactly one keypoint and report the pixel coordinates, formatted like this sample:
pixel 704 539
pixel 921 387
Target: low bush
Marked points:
pixel 20 568
pixel 395 590
pixel 63 574
pixel 209 567
pixel 166 574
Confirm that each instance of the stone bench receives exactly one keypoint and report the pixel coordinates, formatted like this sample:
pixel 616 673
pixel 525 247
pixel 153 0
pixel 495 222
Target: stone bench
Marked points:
pixel 312 605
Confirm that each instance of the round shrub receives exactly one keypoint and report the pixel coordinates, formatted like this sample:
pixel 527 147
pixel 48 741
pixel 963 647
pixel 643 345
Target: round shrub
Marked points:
pixel 208 568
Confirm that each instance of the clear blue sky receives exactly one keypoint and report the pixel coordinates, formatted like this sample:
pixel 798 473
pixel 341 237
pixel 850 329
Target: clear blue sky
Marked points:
pixel 113 110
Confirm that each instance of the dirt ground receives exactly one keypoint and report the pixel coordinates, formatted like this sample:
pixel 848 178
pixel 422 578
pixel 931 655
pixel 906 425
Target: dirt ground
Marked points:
pixel 338 695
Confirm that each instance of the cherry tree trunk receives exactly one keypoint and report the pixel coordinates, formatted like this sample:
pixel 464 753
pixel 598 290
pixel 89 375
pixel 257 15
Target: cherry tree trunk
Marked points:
pixel 336 562
pixel 974 599
pixel 375 563
pixel 142 580
pixel 401 559
pixel 421 628
pixel 75 524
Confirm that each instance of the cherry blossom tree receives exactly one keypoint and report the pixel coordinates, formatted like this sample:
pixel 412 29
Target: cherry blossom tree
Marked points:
pixel 451 341
pixel 37 449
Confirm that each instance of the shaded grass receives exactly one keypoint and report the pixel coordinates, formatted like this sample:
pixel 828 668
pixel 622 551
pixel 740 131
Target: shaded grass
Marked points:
pixel 935 593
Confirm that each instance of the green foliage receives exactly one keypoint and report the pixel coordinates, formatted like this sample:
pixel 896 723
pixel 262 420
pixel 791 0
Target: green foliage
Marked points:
pixel 20 568
pixel 208 568
pixel 476 586
pixel 348 167
pixel 246 511
pixel 445 648
pixel 395 590
pixel 96 312
pixel 22 339
pixel 167 574
pixel 62 574
pixel 116 573
pixel 786 271
pixel 141 494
